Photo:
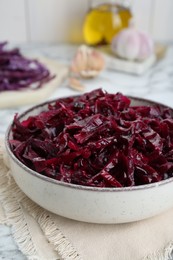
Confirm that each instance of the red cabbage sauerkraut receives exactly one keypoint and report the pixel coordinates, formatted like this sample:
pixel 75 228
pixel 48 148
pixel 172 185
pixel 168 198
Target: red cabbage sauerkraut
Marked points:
pixel 97 139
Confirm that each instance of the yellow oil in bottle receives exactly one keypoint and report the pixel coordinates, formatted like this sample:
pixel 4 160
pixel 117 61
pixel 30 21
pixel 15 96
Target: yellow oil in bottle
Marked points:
pixel 103 22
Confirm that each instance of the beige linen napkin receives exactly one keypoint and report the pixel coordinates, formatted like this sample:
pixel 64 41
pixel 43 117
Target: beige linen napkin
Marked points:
pixel 42 235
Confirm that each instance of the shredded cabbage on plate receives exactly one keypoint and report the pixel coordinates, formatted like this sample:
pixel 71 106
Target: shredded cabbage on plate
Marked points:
pixel 18 72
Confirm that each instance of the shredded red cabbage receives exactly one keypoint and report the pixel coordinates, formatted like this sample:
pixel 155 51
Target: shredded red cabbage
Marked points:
pixel 97 139
pixel 18 72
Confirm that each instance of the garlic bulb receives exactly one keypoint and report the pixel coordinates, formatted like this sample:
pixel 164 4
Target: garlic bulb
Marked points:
pixel 87 62
pixel 132 44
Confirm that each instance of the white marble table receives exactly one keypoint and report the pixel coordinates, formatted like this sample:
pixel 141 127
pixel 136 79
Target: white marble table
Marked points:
pixel 155 84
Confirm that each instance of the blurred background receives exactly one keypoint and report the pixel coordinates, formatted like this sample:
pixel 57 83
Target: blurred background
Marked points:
pixel 54 21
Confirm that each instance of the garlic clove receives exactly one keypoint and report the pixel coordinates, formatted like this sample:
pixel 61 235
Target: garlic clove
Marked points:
pixel 76 85
pixel 89 73
pixel 97 61
pixel 79 63
pixel 87 62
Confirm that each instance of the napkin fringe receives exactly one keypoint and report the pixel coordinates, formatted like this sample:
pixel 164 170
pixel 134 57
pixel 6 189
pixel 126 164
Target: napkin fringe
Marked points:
pixel 14 213
pixel 61 244
pixel 165 254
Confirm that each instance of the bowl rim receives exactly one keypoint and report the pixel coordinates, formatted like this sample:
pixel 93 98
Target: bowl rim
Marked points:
pixel 71 185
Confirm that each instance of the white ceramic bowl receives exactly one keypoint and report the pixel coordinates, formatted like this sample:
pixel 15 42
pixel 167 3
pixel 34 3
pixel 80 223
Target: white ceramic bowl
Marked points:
pixel 89 204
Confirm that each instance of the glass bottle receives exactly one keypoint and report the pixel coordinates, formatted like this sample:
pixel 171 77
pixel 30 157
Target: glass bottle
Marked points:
pixel 104 20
